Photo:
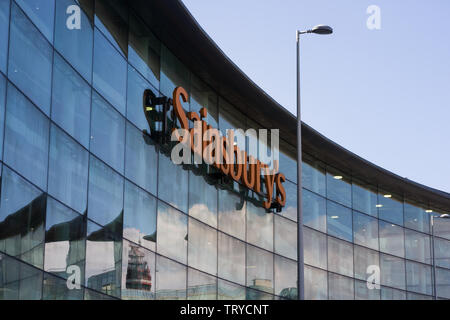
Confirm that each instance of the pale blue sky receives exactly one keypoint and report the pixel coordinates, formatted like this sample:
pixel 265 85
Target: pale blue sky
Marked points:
pixel 382 94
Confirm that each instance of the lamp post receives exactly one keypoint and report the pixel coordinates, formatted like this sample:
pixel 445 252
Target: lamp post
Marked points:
pixel 320 29
pixel 432 217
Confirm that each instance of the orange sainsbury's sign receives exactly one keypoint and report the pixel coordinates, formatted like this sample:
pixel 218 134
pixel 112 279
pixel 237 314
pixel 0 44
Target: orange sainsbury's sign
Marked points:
pixel 208 145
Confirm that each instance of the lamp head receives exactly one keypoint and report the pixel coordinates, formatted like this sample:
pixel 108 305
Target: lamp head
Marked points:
pixel 321 29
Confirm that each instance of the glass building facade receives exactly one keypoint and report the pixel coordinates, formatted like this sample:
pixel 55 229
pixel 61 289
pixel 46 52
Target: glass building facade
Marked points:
pixel 92 207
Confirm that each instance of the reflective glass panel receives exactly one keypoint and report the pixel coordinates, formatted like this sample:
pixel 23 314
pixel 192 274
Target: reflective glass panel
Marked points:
pixel 105 200
pixel 139 221
pixel 65 235
pixel 55 288
pixel 313 177
pixel 107 133
pixel 136 87
pixel 417 246
pixel 138 272
pixel 259 269
pixel 173 74
pixel 290 208
pixel 202 247
pixel 340 287
pixel 4 31
pixel 172 183
pixel 285 237
pixel 204 97
pixel 170 279
pixel 364 293
pixel 442 252
pixel 418 278
pixel 314 211
pixel 365 230
pixel 339 187
pixel 260 227
pixel 392 294
pixel 26 46
pixel 141 159
pixel 22 214
pixel 364 258
pixel 392 271
pixel 443 283
pixel 202 197
pixel 103 259
pixel 144 50
pixel 230 291
pixel 2 110
pixel 286 278
pixel 391 239
pixel 68 170
pixel 41 12
pixel 364 198
pixel 172 233
pixel 71 101
pixel 416 218
pixel 339 221
pixel 110 72
pixel 74 43
pixel 316 284
pixel 231 260
pixel 232 213
pixel 315 248
pixel 390 208
pixel 340 256
pixel 201 286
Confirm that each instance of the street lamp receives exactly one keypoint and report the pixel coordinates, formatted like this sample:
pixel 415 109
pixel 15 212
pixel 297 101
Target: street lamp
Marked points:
pixel 319 29
pixel 432 217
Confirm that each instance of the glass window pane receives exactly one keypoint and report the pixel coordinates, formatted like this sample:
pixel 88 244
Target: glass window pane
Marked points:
pixel 340 287
pixel 314 211
pixel 259 269
pixel 391 239
pixel 252 294
pixel 56 288
pixel 363 258
pixel 68 170
pixel 362 292
pixel 415 296
pixel 442 253
pixel 201 286
pixel 170 280
pixel 139 221
pixel 286 278
pixel 172 183
pixel 26 138
pixel 202 96
pixel 30 287
pixel 202 247
pixel 230 291
pixel 107 133
pixel 339 221
pixel 288 161
pixel 141 159
pixel 2 110
pixel 110 72
pixel 71 103
pixel 105 200
pixel 315 248
pixel 339 187
pixel 111 17
pixel 41 12
pixel 340 257
pixel 443 283
pixel 144 50
pixel 94 295
pixel 365 230
pixel 138 272
pixel 417 246
pixel 316 284
pixel 390 208
pixel 416 218
pixel 173 74
pixel 4 31
pixel 74 44
pixel 232 213
pixel 136 87
pixel 26 46
pixel 392 271
pixel 441 228
pixel 231 260
pixel 172 233
pixel 65 235
pixel 290 208
pixel 364 198
pixel 392 294
pixel 9 279
pixel 313 177
pixel 22 214
pixel 103 259
pixel 260 227
pixel 202 197
pixel 285 237
pixel 418 278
